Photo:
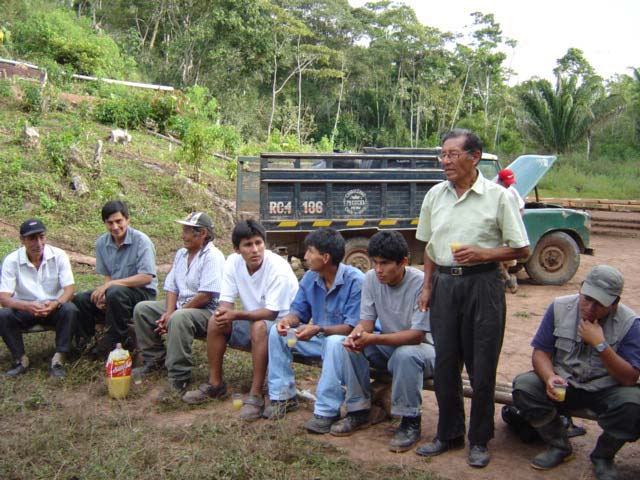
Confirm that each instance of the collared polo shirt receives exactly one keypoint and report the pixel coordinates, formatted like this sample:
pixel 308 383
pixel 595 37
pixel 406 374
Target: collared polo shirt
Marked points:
pixel 136 255
pixel 485 216
pixel 203 275
pixel 339 305
pixel 21 279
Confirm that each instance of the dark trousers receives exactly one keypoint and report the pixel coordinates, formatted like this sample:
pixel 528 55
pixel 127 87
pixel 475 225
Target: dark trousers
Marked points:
pixel 118 312
pixel 13 322
pixel 467 321
pixel 617 408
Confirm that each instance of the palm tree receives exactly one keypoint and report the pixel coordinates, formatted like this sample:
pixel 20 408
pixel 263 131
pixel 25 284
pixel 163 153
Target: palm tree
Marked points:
pixel 558 118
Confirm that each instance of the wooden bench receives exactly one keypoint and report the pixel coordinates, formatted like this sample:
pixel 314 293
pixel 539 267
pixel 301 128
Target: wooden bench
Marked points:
pixel 502 392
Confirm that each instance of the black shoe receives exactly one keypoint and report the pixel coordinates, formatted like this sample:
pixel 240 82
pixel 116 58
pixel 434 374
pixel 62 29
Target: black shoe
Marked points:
pixel 431 449
pixel 57 371
pixel 604 468
pixel 406 435
pixel 277 409
pixel 550 458
pixel 173 391
pixel 17 370
pixel 319 424
pixel 478 456
pixel 353 422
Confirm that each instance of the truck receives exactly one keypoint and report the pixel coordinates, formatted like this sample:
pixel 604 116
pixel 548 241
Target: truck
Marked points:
pixel 362 193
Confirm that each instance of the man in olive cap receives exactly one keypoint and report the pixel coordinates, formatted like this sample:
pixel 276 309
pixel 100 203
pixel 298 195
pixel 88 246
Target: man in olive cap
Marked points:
pixel 192 289
pixel 36 288
pixel 586 354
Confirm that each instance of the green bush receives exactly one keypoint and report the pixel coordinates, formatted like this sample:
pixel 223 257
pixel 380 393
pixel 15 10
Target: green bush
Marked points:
pixel 31 99
pixel 129 111
pixel 59 36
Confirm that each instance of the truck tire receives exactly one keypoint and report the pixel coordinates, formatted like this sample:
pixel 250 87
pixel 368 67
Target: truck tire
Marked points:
pixel 555 259
pixel 355 253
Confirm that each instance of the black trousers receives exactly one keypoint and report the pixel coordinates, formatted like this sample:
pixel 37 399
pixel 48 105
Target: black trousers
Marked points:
pixel 117 315
pixel 467 321
pixel 617 408
pixel 12 322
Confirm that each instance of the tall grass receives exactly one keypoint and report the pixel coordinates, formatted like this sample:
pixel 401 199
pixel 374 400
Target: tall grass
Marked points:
pixel 573 176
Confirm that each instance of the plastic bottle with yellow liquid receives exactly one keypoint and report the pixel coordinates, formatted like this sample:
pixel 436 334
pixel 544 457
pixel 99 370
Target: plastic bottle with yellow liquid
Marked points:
pixel 119 372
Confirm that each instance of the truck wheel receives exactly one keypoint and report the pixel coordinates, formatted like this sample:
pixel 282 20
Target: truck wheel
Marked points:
pixel 555 259
pixel 355 253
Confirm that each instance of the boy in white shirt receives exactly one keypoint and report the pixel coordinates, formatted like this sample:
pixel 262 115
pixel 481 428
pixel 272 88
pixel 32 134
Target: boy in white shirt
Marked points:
pixel 266 286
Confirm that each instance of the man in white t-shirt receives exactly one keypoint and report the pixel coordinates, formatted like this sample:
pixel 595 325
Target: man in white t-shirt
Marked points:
pixel 266 285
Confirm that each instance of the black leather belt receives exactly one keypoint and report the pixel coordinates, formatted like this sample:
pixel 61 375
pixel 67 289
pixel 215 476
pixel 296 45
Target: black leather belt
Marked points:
pixel 461 271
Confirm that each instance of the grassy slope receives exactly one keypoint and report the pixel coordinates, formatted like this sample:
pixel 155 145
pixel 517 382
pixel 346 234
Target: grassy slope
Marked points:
pixel 144 174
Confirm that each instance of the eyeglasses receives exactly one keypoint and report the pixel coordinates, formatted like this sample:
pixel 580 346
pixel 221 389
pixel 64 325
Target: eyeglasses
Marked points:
pixel 452 155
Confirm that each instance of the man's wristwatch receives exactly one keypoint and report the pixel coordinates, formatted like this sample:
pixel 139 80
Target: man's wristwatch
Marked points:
pixel 321 331
pixel 601 347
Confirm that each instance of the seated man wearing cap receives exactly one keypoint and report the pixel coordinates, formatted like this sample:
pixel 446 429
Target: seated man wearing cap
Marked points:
pixel 193 290
pixel 586 354
pixel 507 179
pixel 35 288
pixel 127 259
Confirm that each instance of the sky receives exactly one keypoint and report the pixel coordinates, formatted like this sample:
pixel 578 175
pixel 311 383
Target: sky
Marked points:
pixel 607 31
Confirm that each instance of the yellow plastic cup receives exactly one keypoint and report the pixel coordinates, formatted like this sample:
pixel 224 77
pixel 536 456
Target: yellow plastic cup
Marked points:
pixel 560 391
pixel 291 338
pixel 236 400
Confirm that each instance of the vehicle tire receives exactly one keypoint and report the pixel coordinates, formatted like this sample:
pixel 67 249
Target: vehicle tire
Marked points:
pixel 555 259
pixel 355 253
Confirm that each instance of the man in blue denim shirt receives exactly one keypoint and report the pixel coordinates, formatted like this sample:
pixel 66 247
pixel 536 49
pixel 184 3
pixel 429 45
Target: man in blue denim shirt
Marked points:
pixel 330 294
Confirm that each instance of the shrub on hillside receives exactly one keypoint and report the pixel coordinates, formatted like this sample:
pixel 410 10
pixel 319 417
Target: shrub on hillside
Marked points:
pixel 60 36
pixel 128 112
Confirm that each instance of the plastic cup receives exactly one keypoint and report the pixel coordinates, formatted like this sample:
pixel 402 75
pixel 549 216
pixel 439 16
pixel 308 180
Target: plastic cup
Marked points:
pixel 560 391
pixel 291 338
pixel 136 376
pixel 236 400
pixel 454 246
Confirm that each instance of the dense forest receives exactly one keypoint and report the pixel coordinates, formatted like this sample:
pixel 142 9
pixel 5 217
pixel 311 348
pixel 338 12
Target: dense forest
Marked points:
pixel 292 74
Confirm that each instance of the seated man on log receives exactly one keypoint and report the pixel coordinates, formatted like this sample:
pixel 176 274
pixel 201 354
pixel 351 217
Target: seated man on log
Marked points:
pixel 192 292
pixel 127 259
pixel 35 289
pixel 404 347
pixel 586 354
pixel 266 286
pixel 329 294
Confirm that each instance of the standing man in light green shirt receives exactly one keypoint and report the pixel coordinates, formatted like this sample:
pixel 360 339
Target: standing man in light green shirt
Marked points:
pixel 470 224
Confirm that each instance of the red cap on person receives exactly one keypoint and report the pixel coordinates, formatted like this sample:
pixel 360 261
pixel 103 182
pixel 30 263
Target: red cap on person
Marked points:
pixel 507 177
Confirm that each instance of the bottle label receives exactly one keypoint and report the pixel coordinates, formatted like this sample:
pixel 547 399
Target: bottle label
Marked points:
pixel 119 367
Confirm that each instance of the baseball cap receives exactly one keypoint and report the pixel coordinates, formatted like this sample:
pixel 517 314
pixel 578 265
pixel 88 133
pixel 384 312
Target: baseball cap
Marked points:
pixel 507 177
pixel 31 226
pixel 604 284
pixel 198 220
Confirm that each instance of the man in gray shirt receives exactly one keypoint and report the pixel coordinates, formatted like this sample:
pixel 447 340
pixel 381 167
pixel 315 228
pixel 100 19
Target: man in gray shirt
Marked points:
pixel 404 348
pixel 127 259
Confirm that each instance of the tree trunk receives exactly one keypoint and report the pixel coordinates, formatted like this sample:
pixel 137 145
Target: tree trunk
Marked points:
pixel 335 123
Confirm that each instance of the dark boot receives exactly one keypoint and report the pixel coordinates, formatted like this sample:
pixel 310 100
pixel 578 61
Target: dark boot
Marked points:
pixel 406 435
pixel 559 450
pixel 602 456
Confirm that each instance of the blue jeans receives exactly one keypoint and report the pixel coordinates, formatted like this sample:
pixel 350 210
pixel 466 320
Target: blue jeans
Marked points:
pixel 280 376
pixel 408 365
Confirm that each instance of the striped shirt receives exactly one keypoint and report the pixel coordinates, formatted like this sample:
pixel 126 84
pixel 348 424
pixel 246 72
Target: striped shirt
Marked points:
pixel 203 275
